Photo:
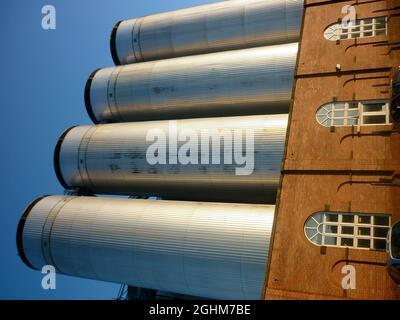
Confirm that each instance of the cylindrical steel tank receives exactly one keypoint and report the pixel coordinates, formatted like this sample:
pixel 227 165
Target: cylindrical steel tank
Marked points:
pixel 212 250
pixel 240 82
pixel 220 26
pixel 232 159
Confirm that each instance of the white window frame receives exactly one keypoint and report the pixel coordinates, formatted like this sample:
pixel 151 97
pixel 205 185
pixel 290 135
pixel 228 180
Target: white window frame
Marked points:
pixel 321 230
pixel 362 114
pixel 384 112
pixel 337 31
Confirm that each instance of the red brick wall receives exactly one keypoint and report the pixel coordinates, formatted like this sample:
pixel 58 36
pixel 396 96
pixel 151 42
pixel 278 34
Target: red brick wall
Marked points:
pixel 337 169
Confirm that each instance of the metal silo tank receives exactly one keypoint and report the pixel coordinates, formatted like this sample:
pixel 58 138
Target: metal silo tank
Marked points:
pixel 213 250
pixel 238 82
pixel 220 26
pixel 112 158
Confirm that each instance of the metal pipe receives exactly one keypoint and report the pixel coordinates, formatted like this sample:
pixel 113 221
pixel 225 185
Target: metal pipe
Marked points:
pixel 240 82
pixel 213 250
pixel 232 159
pixel 214 27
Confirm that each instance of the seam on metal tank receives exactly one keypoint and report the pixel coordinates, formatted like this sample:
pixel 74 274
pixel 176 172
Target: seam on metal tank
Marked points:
pixel 133 40
pixel 112 92
pixel 141 59
pixel 55 210
pixel 83 149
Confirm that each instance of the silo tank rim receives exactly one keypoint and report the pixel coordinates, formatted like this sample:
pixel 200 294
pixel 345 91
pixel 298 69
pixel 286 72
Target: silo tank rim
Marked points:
pixel 20 230
pixel 113 48
pixel 88 103
pixel 56 158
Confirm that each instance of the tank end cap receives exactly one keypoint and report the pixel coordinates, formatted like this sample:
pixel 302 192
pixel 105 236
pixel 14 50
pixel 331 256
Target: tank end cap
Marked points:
pixel 20 230
pixel 88 103
pixel 113 47
pixel 56 159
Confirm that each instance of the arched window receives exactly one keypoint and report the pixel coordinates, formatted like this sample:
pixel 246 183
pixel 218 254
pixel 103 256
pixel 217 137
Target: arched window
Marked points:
pixel 361 28
pixel 354 230
pixel 354 113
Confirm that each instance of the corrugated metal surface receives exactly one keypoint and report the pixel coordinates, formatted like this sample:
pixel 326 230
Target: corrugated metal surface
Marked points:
pixel 111 159
pixel 201 249
pixel 221 26
pixel 241 82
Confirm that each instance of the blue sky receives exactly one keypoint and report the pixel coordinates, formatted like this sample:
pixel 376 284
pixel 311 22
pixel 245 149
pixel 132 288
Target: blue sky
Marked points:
pixel 43 74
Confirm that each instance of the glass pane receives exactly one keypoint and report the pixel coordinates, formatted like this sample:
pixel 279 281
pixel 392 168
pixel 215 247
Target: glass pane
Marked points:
pixel 363 243
pixel 355 35
pixel 367 27
pixel 326 123
pixel 380 32
pixel 331 229
pixel 318 217
pixel 353 105
pixel 339 106
pixel 348 242
pixel 348 218
pixel 311 223
pixel 372 107
pixel 322 112
pixel 364 219
pixel 338 122
pixel 322 119
pixel 331 217
pixel 380 244
pixel 330 241
pixel 352 122
pixel 368 34
pixel 310 232
pixel 317 239
pixel 364 231
pixel 367 21
pixel 380 23
pixel 381 119
pixel 347 230
pixel 381 220
pixel 352 113
pixel 339 113
pixel 380 232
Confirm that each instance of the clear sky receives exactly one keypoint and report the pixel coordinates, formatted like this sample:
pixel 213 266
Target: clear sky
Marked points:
pixel 43 74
